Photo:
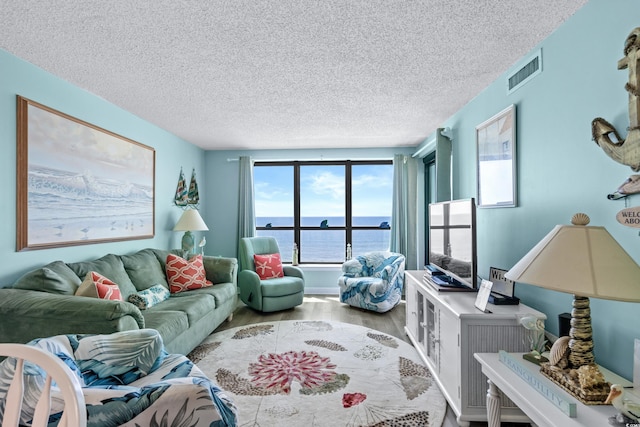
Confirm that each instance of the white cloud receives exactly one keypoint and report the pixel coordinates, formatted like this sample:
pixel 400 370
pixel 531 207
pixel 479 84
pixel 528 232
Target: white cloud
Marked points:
pixel 325 183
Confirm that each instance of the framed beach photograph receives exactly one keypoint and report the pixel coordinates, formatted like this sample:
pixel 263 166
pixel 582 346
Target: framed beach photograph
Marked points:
pixel 78 183
pixel 496 160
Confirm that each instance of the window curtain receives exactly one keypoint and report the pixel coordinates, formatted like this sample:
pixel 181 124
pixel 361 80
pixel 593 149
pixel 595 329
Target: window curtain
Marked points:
pixel 246 204
pixel 404 211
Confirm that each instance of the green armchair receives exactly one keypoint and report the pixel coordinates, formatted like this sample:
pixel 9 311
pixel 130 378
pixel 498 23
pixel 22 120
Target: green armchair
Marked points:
pixel 268 295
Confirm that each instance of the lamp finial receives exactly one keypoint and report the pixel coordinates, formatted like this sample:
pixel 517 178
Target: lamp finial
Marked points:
pixel 580 219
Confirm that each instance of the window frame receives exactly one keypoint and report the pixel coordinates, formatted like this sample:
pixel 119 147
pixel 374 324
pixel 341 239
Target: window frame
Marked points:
pixel 297 228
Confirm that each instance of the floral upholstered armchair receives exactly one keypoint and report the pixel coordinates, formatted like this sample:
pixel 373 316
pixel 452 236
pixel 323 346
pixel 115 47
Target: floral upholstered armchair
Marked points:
pixel 373 281
pixel 127 378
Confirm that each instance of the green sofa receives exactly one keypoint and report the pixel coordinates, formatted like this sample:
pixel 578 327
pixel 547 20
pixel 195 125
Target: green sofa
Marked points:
pixel 42 302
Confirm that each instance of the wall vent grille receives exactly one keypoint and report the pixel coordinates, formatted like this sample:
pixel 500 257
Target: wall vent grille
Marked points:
pixel 523 74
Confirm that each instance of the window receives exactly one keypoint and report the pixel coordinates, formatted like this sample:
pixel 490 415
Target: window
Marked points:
pixel 323 206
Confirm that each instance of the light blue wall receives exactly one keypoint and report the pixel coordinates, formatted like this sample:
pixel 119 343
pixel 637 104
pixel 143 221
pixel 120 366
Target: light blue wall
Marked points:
pixel 21 78
pixel 561 171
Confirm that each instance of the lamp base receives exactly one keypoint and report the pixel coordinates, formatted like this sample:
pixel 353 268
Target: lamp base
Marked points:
pixel 187 245
pixel 569 380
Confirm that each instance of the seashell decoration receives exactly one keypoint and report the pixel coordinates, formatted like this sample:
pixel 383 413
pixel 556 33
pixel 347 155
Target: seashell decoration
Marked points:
pixel 559 353
pixel 580 219
pixel 590 377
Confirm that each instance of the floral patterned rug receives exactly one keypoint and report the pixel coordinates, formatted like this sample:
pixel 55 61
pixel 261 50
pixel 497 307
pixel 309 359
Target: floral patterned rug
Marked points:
pixel 321 373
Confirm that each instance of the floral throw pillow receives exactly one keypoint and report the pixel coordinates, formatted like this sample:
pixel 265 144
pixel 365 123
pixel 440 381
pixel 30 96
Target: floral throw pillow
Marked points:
pixel 268 266
pixel 184 275
pixel 149 297
pixel 95 285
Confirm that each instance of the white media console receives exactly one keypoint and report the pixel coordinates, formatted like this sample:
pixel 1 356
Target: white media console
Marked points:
pixel 447 329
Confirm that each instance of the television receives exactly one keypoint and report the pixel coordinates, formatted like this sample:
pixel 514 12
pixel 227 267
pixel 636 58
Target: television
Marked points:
pixel 452 245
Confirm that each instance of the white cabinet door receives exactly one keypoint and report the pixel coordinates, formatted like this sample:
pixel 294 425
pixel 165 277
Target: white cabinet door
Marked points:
pixel 413 317
pixel 431 330
pixel 449 354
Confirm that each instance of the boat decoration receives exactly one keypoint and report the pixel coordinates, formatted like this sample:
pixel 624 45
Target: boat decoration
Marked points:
pixel 193 196
pixel 187 197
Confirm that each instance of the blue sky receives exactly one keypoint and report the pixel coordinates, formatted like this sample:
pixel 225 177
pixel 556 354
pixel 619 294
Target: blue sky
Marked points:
pixel 56 142
pixel 322 190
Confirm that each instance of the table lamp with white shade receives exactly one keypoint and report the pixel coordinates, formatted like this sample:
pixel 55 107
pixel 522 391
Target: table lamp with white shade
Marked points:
pixel 588 262
pixel 188 222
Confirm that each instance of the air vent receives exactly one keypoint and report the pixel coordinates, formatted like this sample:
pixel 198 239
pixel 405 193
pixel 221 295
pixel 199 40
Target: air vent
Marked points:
pixel 532 67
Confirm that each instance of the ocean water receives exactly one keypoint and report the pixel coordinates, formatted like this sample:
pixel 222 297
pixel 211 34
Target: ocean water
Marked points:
pixel 65 206
pixel 326 245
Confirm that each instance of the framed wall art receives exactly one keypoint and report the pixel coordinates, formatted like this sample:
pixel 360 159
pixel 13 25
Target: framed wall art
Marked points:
pixel 496 160
pixel 78 183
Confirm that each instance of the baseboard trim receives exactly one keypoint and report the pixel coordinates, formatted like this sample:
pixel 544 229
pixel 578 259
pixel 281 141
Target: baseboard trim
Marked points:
pixel 321 291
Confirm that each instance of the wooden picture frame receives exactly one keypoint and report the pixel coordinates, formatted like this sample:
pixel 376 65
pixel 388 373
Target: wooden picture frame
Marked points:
pixel 496 160
pixel 78 183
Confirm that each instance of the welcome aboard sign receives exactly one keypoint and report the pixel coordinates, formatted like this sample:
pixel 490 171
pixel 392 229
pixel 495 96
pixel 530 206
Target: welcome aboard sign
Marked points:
pixel 629 217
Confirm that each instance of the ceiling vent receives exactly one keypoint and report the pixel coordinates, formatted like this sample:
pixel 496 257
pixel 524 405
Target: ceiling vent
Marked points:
pixel 523 74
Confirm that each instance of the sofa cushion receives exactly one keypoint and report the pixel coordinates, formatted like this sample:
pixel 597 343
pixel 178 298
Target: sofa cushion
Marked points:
pixel 195 306
pixel 170 324
pixel 111 267
pixel 144 269
pixel 219 269
pixel 55 278
pixel 185 275
pixel 162 254
pixel 223 293
pixel 282 286
pixel 268 266
pixel 149 297
pixel 96 285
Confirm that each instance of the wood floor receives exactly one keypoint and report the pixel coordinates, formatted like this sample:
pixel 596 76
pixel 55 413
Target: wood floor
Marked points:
pixel 329 307
pixel 326 307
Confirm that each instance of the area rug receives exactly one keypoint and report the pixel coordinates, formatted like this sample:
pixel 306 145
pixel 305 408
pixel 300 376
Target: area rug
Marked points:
pixel 321 373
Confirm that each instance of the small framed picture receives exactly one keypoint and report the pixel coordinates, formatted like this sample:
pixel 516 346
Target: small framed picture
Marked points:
pixel 496 160
pixel 483 295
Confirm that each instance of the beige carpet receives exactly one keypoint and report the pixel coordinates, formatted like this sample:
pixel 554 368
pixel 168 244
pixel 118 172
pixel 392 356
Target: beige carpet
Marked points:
pixel 321 373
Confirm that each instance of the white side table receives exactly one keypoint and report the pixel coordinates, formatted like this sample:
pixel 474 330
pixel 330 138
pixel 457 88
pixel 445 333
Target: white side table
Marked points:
pixel 541 411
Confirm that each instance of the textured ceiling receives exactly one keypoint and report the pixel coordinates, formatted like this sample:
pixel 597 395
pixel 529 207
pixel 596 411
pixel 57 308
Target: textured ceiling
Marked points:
pixel 252 74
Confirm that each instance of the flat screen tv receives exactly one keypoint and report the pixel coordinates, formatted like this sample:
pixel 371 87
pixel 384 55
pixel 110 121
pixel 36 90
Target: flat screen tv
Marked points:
pixel 452 244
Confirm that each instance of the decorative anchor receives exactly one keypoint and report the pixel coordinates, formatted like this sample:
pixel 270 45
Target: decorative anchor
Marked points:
pixel 625 151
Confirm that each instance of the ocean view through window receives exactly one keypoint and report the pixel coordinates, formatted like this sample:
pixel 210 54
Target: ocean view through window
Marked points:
pixel 323 206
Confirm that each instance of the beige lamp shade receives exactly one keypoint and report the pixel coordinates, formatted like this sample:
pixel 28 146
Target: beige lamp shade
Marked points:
pixel 581 260
pixel 190 221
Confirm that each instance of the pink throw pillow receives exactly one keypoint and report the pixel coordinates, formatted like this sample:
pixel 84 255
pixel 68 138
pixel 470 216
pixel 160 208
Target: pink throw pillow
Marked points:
pixel 184 275
pixel 95 285
pixel 268 266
